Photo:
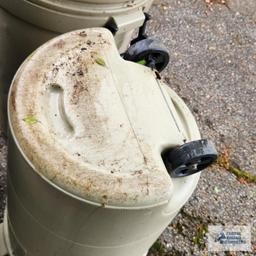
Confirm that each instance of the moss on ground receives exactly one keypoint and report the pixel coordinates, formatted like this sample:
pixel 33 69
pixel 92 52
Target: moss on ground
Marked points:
pixel 199 238
pixel 225 162
pixel 242 174
pixel 158 248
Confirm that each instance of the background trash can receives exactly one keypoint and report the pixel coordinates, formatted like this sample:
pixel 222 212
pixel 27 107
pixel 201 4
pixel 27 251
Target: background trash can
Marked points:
pixel 89 131
pixel 26 24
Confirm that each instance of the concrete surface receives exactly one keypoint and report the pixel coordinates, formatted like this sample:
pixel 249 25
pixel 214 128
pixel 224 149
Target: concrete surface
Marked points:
pixel 213 67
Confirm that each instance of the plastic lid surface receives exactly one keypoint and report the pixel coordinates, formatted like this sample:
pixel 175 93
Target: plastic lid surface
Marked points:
pixel 92 123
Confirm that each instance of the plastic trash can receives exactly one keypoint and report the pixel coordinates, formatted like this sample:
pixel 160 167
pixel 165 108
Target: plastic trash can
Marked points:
pixel 26 24
pixel 100 152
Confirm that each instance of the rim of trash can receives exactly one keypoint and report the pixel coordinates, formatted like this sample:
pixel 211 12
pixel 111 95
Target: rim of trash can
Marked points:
pixel 63 16
pixel 127 2
pixel 76 7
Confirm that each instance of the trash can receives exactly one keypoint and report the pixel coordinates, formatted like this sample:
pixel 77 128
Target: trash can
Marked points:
pixel 26 24
pixel 101 152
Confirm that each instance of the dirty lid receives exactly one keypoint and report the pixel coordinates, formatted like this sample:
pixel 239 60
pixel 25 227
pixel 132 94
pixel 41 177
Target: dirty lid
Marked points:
pixel 92 123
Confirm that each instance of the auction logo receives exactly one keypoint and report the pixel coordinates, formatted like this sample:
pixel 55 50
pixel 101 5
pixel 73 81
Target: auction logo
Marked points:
pixel 229 238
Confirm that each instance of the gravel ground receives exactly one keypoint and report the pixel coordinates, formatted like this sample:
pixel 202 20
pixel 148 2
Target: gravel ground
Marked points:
pixel 213 67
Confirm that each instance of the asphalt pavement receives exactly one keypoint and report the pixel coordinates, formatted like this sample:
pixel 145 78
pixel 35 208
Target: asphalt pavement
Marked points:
pixel 213 68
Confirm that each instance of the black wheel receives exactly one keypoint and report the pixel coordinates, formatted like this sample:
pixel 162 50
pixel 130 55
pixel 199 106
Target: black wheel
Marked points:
pixel 150 52
pixel 190 158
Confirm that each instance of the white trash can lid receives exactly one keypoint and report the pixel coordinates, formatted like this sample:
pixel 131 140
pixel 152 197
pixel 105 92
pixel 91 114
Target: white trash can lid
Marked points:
pixel 94 124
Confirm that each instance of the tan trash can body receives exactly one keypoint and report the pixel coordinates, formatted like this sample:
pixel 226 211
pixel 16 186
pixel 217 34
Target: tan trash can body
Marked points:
pixel 86 176
pixel 25 25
